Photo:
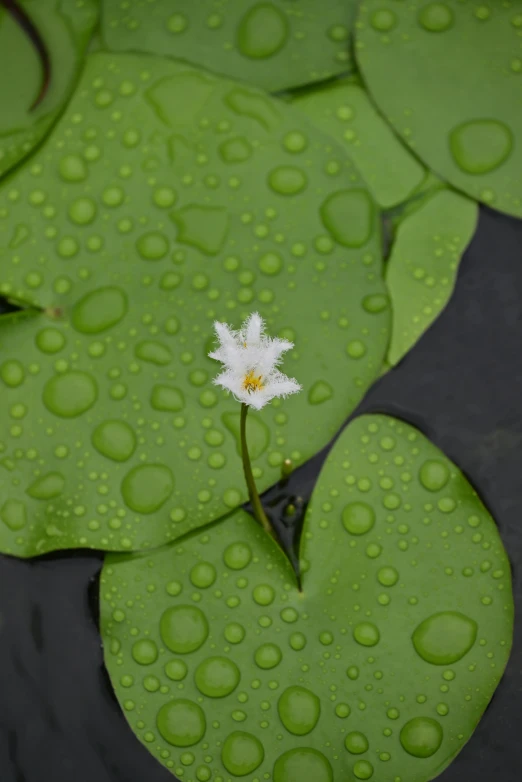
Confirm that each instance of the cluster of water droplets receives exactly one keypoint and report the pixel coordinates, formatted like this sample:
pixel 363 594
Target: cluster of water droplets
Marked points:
pixel 400 625
pixel 479 153
pixel 131 272
pixel 276 44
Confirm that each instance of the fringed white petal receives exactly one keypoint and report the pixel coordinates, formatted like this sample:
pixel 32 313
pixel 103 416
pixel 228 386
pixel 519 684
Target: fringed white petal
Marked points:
pixel 226 336
pixel 249 351
pixel 253 329
pixel 272 354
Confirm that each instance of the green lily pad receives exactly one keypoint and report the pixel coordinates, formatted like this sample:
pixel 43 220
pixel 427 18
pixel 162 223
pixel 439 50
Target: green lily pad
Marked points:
pixel 65 28
pixel 276 45
pixel 380 667
pixel 422 270
pixel 431 228
pixel 447 77
pixel 166 199
pixel 344 110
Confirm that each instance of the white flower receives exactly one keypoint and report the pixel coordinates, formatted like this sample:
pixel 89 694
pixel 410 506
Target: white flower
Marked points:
pixel 250 360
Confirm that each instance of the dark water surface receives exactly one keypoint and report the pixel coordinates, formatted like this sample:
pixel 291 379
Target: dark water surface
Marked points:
pixel 461 386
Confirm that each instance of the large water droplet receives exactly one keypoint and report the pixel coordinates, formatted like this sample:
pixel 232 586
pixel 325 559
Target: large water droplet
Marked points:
pixel 421 737
pixel 152 246
pixel 366 634
pixel 181 723
pixel 363 769
pixel 375 303
pixel 115 440
pixel 320 392
pixel 183 628
pixel 349 216
pixel 204 227
pixel 145 651
pixel 234 633
pixel 14 514
pixel 242 753
pixel 268 656
pixel 481 145
pixel 289 615
pixel 82 211
pixel 99 310
pixel 433 475
pixel 287 180
pixel 153 352
pixel 303 763
pixel 203 575
pixel 50 340
pixel 262 32
pixel 270 263
pixel 235 150
pixel 47 487
pixel 72 168
pixel 436 17
pixel 164 197
pixel 147 487
pixel 217 677
pixel 295 142
pixel 12 373
pixel 237 556
pixel 356 743
pixel 383 20
pixel 299 710
pixel 388 576
pixel 445 637
pixel 176 670
pixel 297 641
pixel 263 594
pixel 167 398
pixel 177 23
pixel 358 518
pixel 70 394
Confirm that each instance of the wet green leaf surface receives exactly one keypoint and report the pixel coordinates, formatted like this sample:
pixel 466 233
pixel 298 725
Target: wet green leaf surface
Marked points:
pixel 165 199
pixel 447 76
pixel 275 45
pixel 422 269
pixel 344 110
pixel 380 668
pixel 65 28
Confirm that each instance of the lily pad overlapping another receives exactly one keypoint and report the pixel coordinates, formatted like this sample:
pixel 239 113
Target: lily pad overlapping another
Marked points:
pixel 381 664
pixel 65 29
pixel 344 110
pixel 430 225
pixel 422 268
pixel 462 111
pixel 166 199
pixel 275 45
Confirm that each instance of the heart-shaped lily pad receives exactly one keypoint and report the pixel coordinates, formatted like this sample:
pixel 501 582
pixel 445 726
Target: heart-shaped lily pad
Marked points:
pixel 276 45
pixel 166 199
pixel 423 265
pixel 379 668
pixel 447 77
pixel 344 110
pixel 65 28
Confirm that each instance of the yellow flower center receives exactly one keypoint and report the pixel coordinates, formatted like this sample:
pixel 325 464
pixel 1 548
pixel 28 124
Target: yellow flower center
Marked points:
pixel 252 382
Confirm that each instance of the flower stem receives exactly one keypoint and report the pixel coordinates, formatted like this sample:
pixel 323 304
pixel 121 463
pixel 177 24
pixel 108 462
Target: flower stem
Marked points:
pixel 257 505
